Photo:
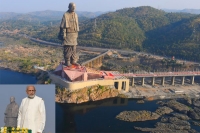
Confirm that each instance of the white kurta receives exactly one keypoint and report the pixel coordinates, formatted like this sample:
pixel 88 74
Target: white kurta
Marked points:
pixel 32 114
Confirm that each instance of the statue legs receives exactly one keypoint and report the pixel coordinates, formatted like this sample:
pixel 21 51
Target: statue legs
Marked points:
pixel 70 55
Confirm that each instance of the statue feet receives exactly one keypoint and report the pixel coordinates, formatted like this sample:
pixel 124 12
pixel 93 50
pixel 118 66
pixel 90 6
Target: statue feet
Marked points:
pixel 75 63
pixel 70 64
pixel 67 63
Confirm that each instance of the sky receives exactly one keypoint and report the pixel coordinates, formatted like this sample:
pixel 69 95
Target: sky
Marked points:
pixel 18 91
pixel 25 6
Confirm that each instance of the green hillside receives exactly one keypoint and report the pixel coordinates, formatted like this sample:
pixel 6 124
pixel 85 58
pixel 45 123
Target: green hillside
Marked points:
pixel 126 28
pixel 181 39
pixel 112 30
pixel 145 29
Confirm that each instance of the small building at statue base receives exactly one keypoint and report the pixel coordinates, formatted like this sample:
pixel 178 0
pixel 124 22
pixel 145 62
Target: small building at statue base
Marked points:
pixel 78 77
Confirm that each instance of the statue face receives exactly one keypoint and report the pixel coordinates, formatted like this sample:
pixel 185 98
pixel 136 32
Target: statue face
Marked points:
pixel 31 91
pixel 72 7
pixel 12 99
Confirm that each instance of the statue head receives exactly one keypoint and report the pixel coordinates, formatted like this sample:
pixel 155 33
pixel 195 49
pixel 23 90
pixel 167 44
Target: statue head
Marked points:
pixel 30 90
pixel 12 99
pixel 71 7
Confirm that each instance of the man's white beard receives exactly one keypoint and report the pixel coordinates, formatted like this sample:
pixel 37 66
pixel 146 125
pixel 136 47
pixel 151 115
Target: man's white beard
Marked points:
pixel 31 96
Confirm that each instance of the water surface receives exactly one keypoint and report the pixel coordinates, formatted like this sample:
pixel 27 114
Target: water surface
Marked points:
pixel 100 116
pixel 11 77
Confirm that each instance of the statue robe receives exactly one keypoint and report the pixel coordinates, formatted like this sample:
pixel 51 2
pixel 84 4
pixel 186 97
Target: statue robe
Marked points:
pixel 32 114
pixel 70 28
pixel 11 114
pixel 68 23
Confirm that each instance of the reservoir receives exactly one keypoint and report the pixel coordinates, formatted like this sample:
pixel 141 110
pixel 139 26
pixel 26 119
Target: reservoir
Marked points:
pixel 11 77
pixel 100 116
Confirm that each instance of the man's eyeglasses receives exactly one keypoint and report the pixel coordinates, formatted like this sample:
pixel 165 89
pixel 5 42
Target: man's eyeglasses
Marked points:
pixel 31 90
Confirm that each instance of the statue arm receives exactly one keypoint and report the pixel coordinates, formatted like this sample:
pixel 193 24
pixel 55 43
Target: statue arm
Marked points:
pixel 63 27
pixel 64 33
pixel 5 114
pixel 42 117
pixel 62 24
pixel 77 22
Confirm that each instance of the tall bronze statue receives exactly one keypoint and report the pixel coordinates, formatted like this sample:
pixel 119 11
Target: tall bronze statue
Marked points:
pixel 69 34
pixel 11 113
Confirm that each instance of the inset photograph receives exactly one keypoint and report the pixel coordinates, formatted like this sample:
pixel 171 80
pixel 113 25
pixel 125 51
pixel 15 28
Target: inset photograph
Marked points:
pixel 29 108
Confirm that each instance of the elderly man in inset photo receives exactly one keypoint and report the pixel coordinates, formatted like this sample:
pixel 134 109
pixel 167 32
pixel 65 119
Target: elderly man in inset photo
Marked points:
pixel 32 113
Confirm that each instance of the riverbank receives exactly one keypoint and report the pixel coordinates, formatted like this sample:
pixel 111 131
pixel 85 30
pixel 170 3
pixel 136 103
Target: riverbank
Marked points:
pixel 22 55
pixel 147 93
pixel 92 93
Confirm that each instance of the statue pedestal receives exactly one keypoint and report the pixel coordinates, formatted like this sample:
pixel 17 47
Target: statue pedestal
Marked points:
pixel 75 73
pixel 73 67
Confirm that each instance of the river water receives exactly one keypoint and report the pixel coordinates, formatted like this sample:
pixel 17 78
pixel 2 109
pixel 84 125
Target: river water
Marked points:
pixel 100 116
pixel 11 77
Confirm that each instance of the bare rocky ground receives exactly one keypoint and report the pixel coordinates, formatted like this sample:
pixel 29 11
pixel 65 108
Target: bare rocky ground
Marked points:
pixel 93 93
pixel 22 55
pixel 163 92
pixel 174 116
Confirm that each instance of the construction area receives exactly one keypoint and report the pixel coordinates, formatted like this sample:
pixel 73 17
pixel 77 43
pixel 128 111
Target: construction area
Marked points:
pixel 164 92
pixel 135 85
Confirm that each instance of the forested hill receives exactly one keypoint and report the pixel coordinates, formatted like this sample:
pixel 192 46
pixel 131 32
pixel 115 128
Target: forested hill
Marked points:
pixel 181 39
pixel 126 27
pixel 144 29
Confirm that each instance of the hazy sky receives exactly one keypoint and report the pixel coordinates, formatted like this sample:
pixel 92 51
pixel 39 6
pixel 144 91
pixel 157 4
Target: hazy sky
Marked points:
pixel 23 6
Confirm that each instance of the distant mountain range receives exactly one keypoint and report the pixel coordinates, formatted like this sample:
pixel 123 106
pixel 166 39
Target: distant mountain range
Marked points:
pixel 49 15
pixel 44 15
pixel 192 11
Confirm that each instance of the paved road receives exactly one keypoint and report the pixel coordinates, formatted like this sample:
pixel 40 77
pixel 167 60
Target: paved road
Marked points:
pixel 104 49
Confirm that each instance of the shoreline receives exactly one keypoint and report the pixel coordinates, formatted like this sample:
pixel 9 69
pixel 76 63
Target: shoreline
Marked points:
pixel 138 93
pixel 15 70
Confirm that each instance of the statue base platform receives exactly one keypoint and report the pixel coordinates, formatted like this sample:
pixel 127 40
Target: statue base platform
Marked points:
pixel 73 67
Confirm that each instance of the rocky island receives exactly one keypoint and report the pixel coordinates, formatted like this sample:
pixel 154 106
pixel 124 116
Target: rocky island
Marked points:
pixel 173 115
